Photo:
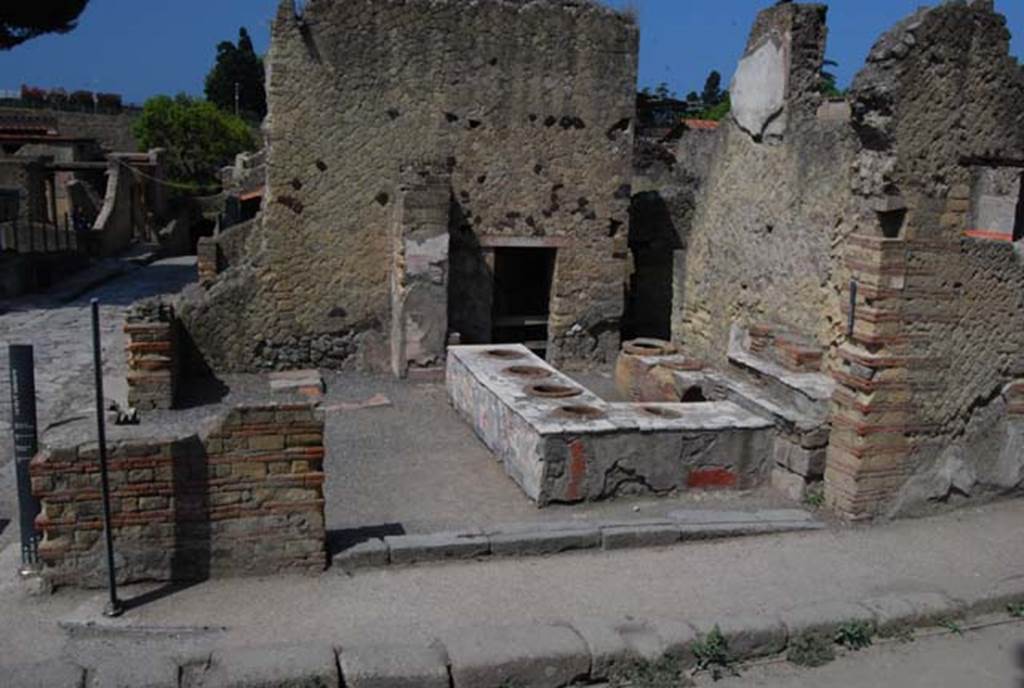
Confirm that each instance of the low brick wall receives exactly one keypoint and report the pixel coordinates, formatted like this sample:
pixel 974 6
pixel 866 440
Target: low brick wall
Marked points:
pixel 246 499
pixel 151 333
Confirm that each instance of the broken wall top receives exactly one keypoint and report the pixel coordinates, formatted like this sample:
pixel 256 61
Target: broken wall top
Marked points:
pixel 939 88
pixel 777 82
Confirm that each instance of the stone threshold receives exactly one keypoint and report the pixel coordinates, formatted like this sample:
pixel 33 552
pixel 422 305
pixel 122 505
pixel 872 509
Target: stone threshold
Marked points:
pixel 539 539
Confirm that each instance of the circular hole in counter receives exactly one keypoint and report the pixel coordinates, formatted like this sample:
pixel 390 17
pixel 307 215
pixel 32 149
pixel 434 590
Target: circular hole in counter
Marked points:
pixel 528 371
pixel 580 412
pixel 505 354
pixel 660 412
pixel 553 391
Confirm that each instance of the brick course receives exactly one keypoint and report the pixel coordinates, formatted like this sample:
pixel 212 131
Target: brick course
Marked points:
pixel 151 335
pixel 245 499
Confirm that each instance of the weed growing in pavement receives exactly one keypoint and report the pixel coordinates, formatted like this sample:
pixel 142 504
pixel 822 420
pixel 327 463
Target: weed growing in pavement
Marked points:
pixel 666 672
pixel 712 653
pixel 815 496
pixel 811 650
pixel 854 635
pixel 1016 610
pixel 952 626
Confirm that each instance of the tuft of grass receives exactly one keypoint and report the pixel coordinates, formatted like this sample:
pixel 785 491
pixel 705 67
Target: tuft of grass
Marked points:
pixel 951 625
pixel 1015 609
pixel 815 496
pixel 854 635
pixel 666 672
pixel 811 650
pixel 712 654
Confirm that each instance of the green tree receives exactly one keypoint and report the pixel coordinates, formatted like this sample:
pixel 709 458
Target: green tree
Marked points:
pixel 712 94
pixel 827 84
pixel 22 20
pixel 719 111
pixel 199 138
pixel 663 91
pixel 238 67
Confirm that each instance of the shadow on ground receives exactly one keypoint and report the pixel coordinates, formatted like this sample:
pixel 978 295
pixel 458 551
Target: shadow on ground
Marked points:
pixel 341 539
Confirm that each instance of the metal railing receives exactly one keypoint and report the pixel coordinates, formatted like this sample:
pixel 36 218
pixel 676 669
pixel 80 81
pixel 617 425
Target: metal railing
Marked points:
pixel 38 237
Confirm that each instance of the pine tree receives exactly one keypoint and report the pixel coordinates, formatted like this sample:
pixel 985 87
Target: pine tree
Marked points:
pixel 22 20
pixel 238 67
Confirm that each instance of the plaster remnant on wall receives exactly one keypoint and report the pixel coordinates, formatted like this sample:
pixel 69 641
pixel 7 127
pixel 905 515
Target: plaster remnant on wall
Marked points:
pixel 758 91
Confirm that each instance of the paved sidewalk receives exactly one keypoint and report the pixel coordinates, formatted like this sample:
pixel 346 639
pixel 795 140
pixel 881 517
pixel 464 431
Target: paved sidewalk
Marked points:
pixel 61 334
pixel 989 657
pixel 962 554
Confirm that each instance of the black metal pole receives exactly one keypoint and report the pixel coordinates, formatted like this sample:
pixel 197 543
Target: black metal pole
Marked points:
pixel 853 308
pixel 23 421
pixel 114 607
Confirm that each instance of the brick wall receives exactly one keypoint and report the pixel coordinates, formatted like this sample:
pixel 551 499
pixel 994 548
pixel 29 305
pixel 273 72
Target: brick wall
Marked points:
pixel 151 335
pixel 246 499
pixel 922 415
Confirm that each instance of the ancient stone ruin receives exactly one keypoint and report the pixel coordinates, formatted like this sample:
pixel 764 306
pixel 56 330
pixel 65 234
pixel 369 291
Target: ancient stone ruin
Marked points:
pixel 846 269
pixel 822 295
pixel 508 140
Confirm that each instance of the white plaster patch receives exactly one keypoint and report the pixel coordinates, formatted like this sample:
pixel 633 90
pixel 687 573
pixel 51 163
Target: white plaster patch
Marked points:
pixel 423 257
pixel 758 90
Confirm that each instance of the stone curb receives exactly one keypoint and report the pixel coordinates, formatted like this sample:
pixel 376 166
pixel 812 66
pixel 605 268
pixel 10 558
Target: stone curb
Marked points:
pixel 547 538
pixel 540 655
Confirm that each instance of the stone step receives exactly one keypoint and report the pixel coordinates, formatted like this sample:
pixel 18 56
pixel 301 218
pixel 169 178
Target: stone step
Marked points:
pixel 546 538
pixel 794 400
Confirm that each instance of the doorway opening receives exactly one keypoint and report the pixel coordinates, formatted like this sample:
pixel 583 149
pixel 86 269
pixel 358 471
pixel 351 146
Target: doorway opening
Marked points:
pixel 522 296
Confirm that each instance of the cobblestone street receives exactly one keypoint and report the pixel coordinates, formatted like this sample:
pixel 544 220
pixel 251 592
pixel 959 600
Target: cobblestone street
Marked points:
pixel 61 335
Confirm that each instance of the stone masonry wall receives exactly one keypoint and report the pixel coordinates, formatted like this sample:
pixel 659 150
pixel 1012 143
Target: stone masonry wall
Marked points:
pixel 763 247
pixel 922 415
pixel 528 104
pixel 668 181
pixel 245 499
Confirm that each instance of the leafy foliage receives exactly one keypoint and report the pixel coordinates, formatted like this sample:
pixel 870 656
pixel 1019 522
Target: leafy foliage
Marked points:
pixel 718 112
pixel 951 625
pixel 854 635
pixel 712 94
pixel 22 20
pixel 811 650
pixel 712 653
pixel 663 91
pixel 827 85
pixel 815 496
pixel 238 65
pixel 1016 610
pixel 199 138
pixel 665 672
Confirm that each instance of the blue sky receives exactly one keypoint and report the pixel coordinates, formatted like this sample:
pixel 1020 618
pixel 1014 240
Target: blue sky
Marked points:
pixel 144 47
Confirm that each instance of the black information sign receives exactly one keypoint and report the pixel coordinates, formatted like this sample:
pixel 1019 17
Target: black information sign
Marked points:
pixel 23 420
